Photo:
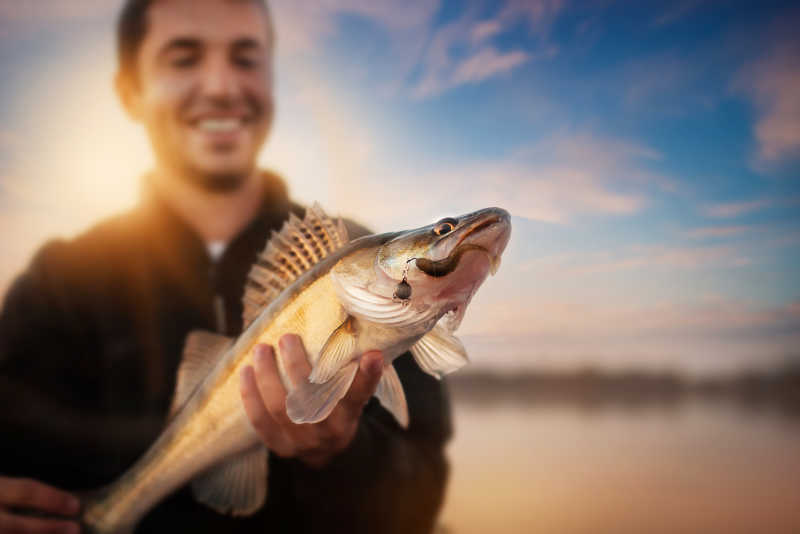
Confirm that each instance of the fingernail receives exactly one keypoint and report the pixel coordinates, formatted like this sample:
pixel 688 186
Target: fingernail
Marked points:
pixel 287 341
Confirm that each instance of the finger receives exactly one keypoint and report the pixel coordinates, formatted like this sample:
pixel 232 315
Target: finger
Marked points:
pixel 265 426
pixel 34 525
pixel 295 358
pixel 370 369
pixel 269 384
pixel 29 493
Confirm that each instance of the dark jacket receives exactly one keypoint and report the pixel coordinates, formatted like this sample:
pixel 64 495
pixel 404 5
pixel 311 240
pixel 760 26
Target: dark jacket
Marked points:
pixel 90 340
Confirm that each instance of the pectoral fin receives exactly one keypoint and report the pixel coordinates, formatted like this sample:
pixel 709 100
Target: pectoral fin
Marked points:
pixel 439 352
pixel 390 393
pixel 336 352
pixel 311 403
pixel 237 486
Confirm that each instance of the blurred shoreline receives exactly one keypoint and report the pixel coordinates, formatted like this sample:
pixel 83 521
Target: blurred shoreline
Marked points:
pixel 591 388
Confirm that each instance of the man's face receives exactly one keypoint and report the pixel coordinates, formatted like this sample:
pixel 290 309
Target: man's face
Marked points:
pixel 205 88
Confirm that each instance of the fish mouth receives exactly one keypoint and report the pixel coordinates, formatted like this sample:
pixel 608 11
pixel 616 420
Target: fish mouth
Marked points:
pixel 448 264
pixel 493 228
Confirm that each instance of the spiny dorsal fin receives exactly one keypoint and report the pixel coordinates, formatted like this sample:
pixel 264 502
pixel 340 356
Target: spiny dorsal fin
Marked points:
pixel 289 253
pixel 200 353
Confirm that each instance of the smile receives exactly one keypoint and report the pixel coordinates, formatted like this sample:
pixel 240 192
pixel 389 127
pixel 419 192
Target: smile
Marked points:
pixel 216 125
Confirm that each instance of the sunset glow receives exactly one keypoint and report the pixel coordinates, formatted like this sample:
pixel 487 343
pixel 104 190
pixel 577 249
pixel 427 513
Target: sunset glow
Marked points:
pixel 651 171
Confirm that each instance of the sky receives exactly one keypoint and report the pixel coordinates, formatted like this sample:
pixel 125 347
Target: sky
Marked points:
pixel 649 154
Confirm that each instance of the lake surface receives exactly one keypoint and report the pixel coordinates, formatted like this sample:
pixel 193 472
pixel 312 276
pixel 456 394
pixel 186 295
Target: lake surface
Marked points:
pixel 696 466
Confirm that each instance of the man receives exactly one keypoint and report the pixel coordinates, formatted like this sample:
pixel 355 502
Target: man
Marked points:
pixel 91 333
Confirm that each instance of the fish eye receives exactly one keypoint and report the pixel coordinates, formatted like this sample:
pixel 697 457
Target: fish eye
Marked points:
pixel 445 226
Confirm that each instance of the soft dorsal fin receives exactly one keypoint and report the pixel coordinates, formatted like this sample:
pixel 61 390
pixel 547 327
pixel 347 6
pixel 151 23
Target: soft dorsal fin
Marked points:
pixel 200 353
pixel 289 253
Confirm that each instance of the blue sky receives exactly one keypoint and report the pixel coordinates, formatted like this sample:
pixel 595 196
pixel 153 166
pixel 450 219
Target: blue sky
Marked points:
pixel 649 152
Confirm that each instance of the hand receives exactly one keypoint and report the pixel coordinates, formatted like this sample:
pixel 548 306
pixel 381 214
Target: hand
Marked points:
pixel 37 497
pixel 264 398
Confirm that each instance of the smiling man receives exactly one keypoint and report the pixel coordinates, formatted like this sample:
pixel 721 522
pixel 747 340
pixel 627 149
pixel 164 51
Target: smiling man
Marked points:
pixel 91 333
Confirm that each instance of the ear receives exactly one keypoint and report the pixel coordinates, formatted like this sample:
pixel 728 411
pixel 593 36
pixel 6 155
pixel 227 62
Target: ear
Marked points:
pixel 129 95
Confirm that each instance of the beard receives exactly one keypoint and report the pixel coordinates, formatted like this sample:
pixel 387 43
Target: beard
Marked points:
pixel 219 183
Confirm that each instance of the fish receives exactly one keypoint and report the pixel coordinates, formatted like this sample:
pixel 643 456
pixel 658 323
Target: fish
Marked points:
pixel 394 292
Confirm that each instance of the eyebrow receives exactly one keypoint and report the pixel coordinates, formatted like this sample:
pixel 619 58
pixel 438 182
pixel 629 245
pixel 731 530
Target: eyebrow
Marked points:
pixel 180 43
pixel 246 43
pixel 191 43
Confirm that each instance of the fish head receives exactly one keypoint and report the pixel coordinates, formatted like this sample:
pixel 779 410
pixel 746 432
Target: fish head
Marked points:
pixel 441 265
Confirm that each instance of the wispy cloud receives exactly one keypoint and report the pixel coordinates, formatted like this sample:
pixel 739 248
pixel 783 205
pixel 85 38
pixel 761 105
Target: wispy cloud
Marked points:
pixel 301 26
pixel 730 210
pixel 556 180
pixel 485 64
pixel 637 258
pixel 716 231
pixel 773 82
pixel 461 52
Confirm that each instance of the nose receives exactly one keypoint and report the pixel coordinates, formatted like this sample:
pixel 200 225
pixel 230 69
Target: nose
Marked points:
pixel 219 79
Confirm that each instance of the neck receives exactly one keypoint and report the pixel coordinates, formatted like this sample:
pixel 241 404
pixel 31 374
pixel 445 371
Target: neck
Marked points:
pixel 215 216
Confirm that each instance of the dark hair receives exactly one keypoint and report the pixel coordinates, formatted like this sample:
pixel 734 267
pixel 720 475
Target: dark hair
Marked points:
pixel 131 29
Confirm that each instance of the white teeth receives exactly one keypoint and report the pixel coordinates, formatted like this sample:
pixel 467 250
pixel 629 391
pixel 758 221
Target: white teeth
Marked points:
pixel 219 125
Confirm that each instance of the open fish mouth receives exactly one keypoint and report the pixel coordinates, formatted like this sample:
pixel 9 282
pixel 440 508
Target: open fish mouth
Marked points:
pixel 447 265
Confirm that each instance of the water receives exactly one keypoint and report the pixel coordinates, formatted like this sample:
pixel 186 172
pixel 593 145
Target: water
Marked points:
pixel 698 466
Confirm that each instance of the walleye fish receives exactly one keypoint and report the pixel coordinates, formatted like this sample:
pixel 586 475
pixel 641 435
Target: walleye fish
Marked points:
pixel 393 292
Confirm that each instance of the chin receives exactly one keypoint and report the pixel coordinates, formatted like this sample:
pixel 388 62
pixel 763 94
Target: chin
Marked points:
pixel 219 178
pixel 224 173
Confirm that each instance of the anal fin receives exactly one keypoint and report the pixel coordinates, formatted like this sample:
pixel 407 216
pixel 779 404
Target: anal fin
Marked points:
pixel 390 393
pixel 439 352
pixel 237 486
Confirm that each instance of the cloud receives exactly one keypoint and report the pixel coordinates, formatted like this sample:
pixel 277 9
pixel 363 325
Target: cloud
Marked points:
pixel 485 30
pixel 700 337
pixel 649 259
pixel 425 60
pixel 556 180
pixel 485 64
pixel 733 209
pixel 303 26
pixel 461 52
pixel 716 231
pixel 773 82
